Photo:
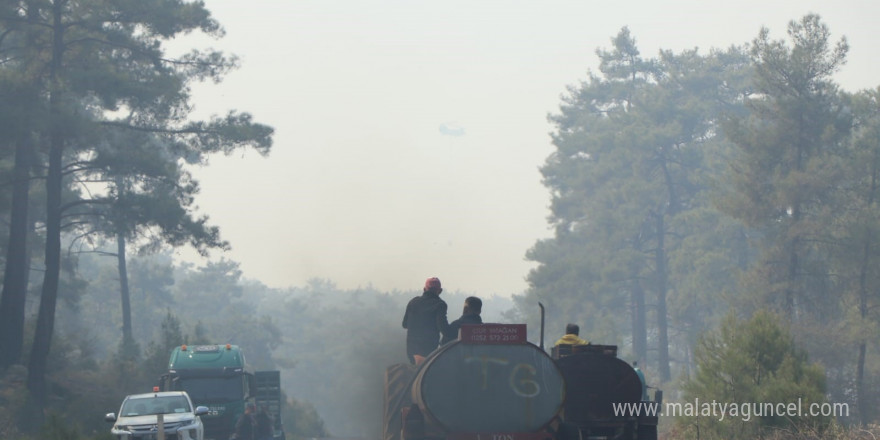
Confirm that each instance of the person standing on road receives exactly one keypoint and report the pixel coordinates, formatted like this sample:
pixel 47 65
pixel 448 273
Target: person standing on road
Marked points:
pixel 264 424
pixel 425 321
pixel 245 427
pixel 469 315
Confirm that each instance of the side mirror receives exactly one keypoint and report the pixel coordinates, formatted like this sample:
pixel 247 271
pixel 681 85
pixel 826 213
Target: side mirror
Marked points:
pixel 110 417
pixel 201 410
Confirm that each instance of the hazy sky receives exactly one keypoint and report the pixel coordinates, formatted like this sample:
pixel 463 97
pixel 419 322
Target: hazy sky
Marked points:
pixel 409 133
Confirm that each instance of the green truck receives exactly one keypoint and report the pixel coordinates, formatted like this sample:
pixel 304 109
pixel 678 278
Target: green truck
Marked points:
pixel 218 377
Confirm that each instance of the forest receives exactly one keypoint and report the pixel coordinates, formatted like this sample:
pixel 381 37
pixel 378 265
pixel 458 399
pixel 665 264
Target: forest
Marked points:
pixel 714 215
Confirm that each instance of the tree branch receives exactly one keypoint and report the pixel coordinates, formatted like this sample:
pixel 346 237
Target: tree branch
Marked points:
pixel 155 129
pixel 82 202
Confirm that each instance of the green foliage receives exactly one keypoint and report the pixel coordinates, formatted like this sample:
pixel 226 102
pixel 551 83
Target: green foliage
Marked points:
pixel 803 181
pixel 753 362
pixel 218 290
pixel 835 431
pixel 58 429
pixel 637 148
pixel 157 354
pixel 697 181
pixel 784 176
pixel 854 232
pixel 112 117
pixel 13 401
pixel 301 421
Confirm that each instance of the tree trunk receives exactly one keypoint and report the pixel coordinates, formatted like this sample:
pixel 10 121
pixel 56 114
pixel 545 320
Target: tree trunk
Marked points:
pixel 793 258
pixel 127 337
pixel 790 282
pixel 15 284
pixel 660 263
pixel 861 398
pixel 36 381
pixel 672 208
pixel 639 312
pixel 49 295
pixel 639 324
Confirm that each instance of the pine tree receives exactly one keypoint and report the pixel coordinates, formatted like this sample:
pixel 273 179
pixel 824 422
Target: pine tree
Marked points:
pixel 856 238
pixel 753 361
pixel 786 171
pixel 630 182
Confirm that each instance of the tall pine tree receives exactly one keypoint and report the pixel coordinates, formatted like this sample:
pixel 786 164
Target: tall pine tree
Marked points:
pixel 786 170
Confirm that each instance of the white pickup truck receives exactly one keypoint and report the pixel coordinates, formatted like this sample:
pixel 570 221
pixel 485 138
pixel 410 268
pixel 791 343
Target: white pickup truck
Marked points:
pixel 152 416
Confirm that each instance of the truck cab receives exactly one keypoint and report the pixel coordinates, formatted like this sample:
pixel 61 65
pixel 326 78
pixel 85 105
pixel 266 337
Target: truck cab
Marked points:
pixel 214 376
pixel 218 377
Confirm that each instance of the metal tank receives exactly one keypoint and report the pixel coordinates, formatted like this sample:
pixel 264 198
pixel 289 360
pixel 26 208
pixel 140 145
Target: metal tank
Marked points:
pixel 597 381
pixel 491 380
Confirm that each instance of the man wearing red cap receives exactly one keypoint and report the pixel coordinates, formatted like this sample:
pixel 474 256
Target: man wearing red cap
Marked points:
pixel 425 321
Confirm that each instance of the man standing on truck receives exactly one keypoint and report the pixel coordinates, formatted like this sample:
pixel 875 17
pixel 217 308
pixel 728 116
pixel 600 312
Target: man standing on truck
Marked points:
pixel 425 321
pixel 571 336
pixel 470 314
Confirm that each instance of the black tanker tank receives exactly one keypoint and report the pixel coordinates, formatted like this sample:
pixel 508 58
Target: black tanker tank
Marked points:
pixel 596 383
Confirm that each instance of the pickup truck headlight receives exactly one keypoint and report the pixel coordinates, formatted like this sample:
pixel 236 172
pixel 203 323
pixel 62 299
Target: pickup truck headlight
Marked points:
pixel 187 424
pixel 188 427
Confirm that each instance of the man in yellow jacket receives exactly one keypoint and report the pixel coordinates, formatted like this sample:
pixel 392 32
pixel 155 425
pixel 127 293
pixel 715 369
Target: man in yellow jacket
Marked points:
pixel 571 336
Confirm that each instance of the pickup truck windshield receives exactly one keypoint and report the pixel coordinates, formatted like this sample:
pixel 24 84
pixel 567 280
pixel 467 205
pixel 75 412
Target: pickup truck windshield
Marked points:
pixel 154 405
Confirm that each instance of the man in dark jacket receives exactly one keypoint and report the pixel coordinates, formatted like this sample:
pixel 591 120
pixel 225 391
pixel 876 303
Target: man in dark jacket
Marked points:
pixel 469 315
pixel 425 321
pixel 264 430
pixel 246 425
